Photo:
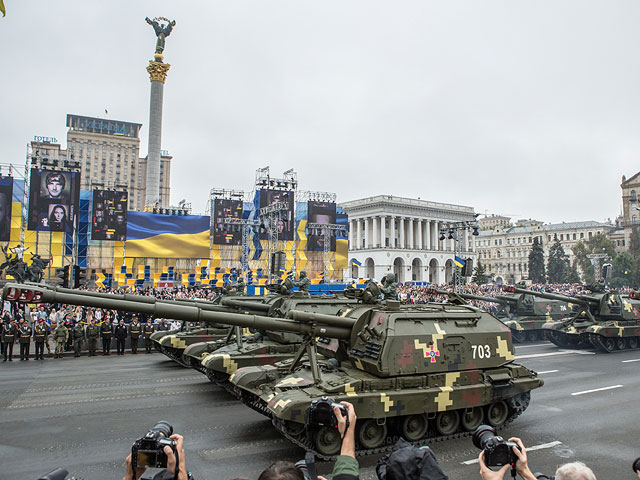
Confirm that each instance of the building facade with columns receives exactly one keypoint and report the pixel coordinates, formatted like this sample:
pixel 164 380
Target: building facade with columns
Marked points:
pixel 504 250
pixel 402 235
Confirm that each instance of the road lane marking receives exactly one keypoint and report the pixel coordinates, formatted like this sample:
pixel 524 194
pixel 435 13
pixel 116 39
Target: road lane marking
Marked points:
pixel 542 446
pixel 547 371
pixel 597 390
pixel 629 361
pixel 537 345
pixel 551 354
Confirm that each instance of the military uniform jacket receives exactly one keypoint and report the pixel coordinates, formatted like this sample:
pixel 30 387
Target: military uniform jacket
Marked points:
pixel 93 331
pixel 40 333
pixel 134 330
pixel 9 333
pixel 147 330
pixel 105 330
pixel 78 332
pixel 121 331
pixel 61 334
pixel 24 334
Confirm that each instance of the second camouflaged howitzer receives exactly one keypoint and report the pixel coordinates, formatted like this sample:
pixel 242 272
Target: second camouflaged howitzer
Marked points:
pixel 426 372
pixel 523 313
pixel 606 320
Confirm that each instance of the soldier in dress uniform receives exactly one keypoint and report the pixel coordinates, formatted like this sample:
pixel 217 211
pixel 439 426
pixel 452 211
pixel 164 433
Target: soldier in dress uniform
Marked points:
pixel 106 331
pixel 24 337
pixel 134 332
pixel 147 330
pixel 121 335
pixel 9 334
pixel 78 337
pixel 93 332
pixel 40 337
pixel 60 336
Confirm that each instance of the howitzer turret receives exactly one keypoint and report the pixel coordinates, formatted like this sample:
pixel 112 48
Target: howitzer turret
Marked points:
pixel 607 321
pixel 521 312
pixel 425 372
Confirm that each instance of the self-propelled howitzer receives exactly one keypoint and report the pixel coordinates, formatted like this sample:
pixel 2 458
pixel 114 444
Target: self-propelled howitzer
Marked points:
pixel 523 313
pixel 425 372
pixel 606 320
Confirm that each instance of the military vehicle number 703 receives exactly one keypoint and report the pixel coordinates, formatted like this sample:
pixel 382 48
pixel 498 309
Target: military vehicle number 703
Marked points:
pixel 481 351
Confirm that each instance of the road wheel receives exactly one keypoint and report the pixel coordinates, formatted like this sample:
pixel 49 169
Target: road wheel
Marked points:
pixel 609 344
pixel 414 427
pixel 327 441
pixel 633 343
pixel 497 413
pixel 447 422
pixel 621 343
pixel 518 336
pixel 371 434
pixel 532 335
pixel 472 418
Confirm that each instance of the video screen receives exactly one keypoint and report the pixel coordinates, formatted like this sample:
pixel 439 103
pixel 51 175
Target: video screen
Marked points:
pixel 109 215
pixel 6 196
pixel 53 200
pixel 285 219
pixel 225 233
pixel 324 213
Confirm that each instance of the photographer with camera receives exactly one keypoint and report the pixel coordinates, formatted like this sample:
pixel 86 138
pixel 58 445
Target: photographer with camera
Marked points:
pixel 159 448
pixel 521 464
pixel 346 466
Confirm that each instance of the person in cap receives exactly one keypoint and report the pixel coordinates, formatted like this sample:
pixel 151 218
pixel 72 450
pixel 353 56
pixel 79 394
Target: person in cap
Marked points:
pixel 60 336
pixel 40 333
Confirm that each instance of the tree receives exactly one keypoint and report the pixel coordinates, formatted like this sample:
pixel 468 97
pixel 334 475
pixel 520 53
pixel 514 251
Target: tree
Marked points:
pixel 557 264
pixel 479 275
pixel 634 243
pixel 536 263
pixel 599 243
pixel 622 274
pixel 572 274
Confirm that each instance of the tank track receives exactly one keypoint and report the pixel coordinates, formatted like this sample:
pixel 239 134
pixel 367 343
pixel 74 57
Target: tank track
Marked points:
pixel 526 336
pixel 565 340
pixel 517 404
pixel 172 353
pixel 599 342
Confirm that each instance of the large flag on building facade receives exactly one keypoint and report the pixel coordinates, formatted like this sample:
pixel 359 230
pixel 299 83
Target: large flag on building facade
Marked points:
pixel 167 236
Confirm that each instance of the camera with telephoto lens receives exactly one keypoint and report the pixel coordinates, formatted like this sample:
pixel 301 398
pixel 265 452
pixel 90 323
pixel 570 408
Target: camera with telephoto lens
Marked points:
pixel 320 413
pixel 636 465
pixel 148 451
pixel 497 450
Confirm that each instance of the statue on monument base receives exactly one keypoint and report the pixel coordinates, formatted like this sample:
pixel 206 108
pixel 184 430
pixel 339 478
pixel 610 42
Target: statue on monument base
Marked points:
pixel 162 32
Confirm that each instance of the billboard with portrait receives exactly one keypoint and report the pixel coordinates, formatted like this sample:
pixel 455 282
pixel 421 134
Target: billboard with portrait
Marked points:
pixel 224 233
pixel 53 200
pixel 324 213
pixel 286 221
pixel 6 195
pixel 109 215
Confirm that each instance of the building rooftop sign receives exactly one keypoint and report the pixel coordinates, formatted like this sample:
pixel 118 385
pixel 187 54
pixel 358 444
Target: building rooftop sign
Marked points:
pixel 103 126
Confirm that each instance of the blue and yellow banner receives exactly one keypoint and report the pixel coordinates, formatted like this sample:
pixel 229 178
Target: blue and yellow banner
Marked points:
pixel 458 261
pixel 167 236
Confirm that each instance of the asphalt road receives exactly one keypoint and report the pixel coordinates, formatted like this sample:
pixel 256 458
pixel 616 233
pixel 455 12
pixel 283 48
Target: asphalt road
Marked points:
pixel 84 414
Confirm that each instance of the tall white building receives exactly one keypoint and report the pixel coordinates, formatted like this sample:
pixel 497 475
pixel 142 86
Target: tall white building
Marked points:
pixel 402 235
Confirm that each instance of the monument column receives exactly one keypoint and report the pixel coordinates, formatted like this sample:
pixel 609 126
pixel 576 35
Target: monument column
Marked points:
pixel 374 234
pixel 402 244
pixel 383 231
pixel 392 232
pixel 157 75
pixel 359 234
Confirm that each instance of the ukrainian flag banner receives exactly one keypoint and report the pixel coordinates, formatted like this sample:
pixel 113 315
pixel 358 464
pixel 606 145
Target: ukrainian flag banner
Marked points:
pixel 458 261
pixel 356 263
pixel 167 236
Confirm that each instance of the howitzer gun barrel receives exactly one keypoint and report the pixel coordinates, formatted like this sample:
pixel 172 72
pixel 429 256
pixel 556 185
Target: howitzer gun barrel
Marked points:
pixel 235 302
pixel 469 296
pixel 552 296
pixel 189 313
pixel 321 318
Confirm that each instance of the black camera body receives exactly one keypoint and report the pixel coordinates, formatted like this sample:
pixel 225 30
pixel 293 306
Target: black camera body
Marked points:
pixel 320 413
pixel 148 451
pixel 497 450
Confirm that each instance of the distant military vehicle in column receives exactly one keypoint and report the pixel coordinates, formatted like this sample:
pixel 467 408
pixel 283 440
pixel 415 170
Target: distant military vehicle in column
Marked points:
pixel 606 320
pixel 523 313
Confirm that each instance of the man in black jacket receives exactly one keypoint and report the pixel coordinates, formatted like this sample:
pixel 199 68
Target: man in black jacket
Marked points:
pixel 121 335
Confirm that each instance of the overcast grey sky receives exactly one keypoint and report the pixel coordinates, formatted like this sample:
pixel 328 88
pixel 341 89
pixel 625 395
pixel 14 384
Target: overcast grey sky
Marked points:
pixel 530 109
